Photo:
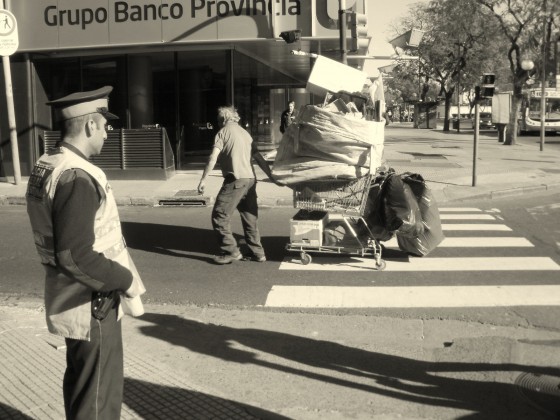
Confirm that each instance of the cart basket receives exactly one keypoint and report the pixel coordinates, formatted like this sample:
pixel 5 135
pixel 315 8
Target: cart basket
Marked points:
pixel 333 195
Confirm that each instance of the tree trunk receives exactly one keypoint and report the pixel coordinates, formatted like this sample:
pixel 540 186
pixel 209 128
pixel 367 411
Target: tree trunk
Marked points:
pixel 448 97
pixel 511 135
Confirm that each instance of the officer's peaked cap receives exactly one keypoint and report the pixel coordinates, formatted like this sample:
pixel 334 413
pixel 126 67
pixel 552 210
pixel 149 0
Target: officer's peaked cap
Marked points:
pixel 83 103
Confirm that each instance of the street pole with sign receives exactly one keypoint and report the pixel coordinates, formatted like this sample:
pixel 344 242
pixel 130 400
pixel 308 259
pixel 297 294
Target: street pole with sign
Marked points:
pixel 9 43
pixel 476 138
pixel 485 91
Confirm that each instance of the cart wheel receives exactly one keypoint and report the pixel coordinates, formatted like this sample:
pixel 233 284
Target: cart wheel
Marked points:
pixel 305 258
pixel 380 265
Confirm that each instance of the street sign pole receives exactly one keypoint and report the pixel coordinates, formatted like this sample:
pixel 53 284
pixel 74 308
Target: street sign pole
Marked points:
pixel 9 43
pixel 476 136
pixel 11 119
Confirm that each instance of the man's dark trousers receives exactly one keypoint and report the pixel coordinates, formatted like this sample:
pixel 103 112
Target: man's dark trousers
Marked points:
pixel 93 381
pixel 240 194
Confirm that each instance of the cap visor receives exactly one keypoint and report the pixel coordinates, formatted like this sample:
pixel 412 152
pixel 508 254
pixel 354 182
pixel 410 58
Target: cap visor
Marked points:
pixel 110 116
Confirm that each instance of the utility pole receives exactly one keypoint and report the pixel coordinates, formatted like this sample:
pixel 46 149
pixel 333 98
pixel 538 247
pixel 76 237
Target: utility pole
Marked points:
pixel 458 90
pixel 543 77
pixel 342 28
pixel 476 137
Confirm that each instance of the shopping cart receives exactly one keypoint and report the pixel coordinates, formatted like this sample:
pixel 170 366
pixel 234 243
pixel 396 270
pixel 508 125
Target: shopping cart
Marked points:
pixel 338 201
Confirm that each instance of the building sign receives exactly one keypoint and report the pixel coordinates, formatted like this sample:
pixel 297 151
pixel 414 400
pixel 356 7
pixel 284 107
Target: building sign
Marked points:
pixel 61 24
pixel 536 93
pixel 9 40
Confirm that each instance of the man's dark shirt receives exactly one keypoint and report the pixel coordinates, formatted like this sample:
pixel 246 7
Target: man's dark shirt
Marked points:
pixel 286 120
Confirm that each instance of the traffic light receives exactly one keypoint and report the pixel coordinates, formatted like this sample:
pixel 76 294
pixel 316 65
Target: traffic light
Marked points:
pixel 487 87
pixel 358 28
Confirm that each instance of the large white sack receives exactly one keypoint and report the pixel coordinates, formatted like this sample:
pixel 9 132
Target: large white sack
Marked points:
pixel 290 168
pixel 338 137
pixel 323 145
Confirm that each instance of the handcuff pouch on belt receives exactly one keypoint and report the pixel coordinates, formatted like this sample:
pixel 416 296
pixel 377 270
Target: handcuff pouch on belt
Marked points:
pixel 102 303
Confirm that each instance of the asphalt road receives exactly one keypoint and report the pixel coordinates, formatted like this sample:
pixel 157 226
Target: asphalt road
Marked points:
pixel 212 326
pixel 173 248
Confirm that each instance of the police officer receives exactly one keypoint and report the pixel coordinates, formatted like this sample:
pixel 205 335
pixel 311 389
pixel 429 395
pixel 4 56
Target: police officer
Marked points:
pixel 90 279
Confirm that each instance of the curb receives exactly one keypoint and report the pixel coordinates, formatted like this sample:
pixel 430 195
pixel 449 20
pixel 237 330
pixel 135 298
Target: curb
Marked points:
pixel 497 194
pixel 7 200
pixel 441 197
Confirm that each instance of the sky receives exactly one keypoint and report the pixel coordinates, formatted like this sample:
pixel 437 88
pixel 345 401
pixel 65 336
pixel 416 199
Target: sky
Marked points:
pixel 383 15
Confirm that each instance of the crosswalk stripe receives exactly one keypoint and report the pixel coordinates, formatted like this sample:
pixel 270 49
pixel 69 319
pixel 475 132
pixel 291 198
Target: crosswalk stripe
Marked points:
pixel 459 209
pixel 474 242
pixel 466 217
pixel 412 297
pixel 428 296
pixel 454 209
pixel 475 226
pixel 476 264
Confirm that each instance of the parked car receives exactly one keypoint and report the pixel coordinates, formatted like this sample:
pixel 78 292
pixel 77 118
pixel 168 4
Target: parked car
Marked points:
pixel 485 121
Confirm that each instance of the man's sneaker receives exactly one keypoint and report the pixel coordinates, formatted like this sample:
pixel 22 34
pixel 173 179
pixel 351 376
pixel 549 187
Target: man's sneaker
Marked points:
pixel 227 259
pixel 257 258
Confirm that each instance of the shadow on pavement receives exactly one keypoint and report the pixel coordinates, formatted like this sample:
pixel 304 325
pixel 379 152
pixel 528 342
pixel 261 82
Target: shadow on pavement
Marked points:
pixel 153 401
pixel 169 240
pixel 411 380
pixel 180 241
pixel 7 412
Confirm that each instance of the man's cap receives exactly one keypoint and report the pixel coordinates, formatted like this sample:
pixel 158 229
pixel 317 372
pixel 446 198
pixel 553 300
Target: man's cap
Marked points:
pixel 79 104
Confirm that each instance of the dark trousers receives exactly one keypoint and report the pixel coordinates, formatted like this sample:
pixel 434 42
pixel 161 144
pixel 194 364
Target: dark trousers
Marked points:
pixel 93 381
pixel 240 194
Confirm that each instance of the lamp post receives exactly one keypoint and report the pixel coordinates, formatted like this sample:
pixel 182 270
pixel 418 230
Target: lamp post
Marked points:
pixel 527 65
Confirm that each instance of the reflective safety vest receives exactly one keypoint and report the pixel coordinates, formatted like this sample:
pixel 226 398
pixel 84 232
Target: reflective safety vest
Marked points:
pixel 68 297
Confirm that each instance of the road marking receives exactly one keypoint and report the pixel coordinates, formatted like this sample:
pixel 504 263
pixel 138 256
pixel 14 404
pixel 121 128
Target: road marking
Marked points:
pixel 412 297
pixel 476 264
pixel 474 242
pixel 457 209
pixel 467 217
pixel 477 226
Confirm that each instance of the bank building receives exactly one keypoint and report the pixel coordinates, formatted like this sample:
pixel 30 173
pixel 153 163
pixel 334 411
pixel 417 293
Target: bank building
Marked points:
pixel 172 63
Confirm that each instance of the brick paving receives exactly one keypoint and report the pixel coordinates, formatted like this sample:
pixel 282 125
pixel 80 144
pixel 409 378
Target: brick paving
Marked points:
pixel 33 366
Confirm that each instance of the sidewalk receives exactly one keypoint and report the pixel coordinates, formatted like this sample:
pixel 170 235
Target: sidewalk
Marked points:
pixel 199 363
pixel 445 160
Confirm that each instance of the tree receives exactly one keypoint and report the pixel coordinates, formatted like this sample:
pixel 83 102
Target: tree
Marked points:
pixel 521 22
pixel 457 47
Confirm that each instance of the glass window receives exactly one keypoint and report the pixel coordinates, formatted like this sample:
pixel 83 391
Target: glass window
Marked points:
pixel 60 77
pixel 554 109
pixel 255 90
pixel 108 71
pixel 203 84
pixel 165 92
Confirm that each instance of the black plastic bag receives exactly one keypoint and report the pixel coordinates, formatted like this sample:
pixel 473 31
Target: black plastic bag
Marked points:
pixel 392 208
pixel 432 234
pixel 374 212
pixel 402 214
